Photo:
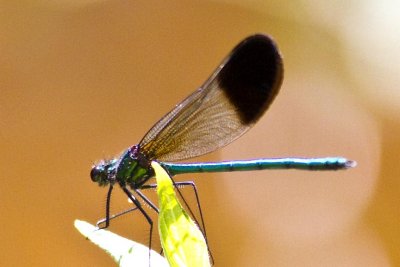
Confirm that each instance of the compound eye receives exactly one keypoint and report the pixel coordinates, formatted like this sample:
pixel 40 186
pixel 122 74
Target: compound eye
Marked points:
pixel 98 175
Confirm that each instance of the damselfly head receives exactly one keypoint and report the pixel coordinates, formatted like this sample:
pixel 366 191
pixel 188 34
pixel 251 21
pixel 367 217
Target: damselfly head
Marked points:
pixel 103 172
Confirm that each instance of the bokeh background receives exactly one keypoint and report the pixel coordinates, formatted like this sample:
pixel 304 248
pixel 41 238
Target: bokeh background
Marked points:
pixel 83 80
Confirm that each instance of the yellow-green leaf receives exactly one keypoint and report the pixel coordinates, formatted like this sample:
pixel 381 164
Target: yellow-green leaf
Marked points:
pixel 182 241
pixel 124 251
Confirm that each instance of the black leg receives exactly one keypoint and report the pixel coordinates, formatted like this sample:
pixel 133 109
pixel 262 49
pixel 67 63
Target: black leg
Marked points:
pixel 193 185
pixel 177 185
pixel 182 184
pixel 145 199
pixel 106 220
pixel 139 206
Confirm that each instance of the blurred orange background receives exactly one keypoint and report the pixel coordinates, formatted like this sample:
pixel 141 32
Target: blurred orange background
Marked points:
pixel 83 80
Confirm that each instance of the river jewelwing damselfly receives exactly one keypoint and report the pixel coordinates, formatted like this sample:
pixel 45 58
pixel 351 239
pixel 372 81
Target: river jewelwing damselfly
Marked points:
pixel 228 104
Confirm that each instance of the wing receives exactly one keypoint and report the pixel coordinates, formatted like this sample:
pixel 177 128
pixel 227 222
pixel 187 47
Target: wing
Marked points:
pixel 231 101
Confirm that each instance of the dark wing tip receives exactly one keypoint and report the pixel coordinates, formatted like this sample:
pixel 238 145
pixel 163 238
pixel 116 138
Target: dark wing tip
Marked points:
pixel 251 76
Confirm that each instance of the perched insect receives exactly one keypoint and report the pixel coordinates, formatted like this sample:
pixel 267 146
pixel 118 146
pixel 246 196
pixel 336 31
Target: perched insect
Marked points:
pixel 228 104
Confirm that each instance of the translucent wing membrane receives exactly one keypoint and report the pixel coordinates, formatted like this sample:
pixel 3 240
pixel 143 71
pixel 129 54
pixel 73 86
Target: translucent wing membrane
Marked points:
pixel 235 96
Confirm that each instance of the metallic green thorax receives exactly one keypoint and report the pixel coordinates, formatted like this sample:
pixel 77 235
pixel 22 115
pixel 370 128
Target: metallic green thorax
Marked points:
pixel 134 168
